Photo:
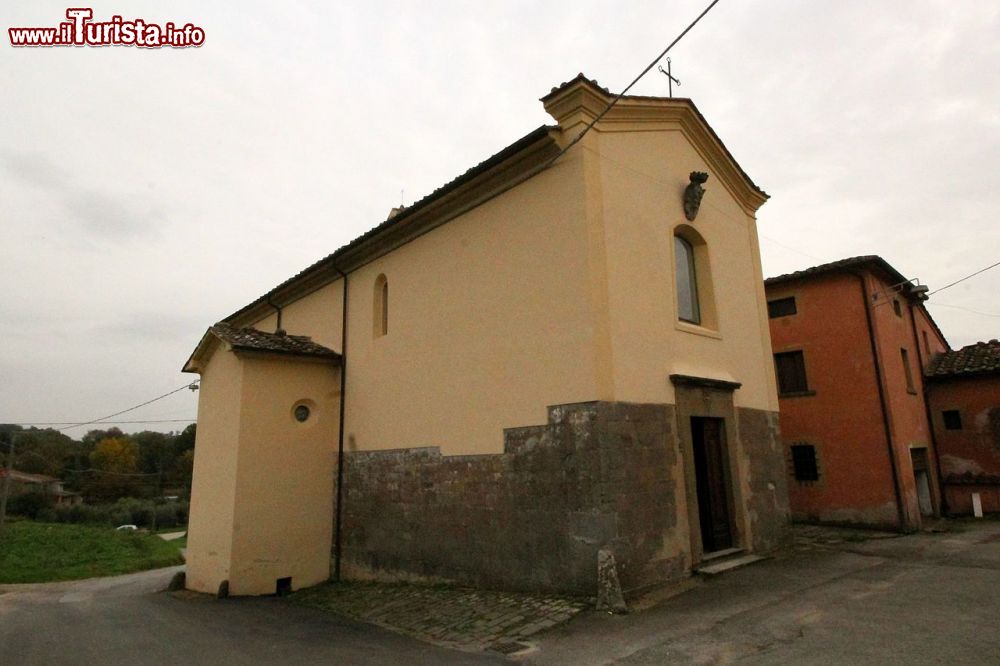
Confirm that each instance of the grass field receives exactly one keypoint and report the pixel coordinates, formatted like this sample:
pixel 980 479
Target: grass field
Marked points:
pixel 42 552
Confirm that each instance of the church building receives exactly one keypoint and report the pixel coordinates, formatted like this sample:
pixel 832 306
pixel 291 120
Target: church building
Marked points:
pixel 562 352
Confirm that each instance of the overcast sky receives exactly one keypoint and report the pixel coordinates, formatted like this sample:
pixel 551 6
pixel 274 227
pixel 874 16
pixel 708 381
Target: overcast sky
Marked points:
pixel 145 194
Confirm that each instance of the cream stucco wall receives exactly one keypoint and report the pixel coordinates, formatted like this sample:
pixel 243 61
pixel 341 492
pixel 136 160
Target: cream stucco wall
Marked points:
pixel 490 321
pixel 559 290
pixel 213 486
pixel 262 494
pixel 643 175
pixel 319 314
pixel 283 517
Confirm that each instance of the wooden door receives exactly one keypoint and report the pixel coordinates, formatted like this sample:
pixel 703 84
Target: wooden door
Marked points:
pixel 709 441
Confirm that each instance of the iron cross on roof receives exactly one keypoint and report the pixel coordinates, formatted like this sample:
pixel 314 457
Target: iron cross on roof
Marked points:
pixel 670 77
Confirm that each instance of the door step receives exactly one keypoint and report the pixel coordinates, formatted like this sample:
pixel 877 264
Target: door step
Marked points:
pixel 717 566
pixel 718 554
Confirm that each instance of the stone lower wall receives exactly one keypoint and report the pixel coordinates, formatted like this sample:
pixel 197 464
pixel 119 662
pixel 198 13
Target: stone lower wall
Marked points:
pixel 767 503
pixel 533 518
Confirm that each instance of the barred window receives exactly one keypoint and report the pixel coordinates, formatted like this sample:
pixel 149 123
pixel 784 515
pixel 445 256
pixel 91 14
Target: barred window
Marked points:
pixel 804 462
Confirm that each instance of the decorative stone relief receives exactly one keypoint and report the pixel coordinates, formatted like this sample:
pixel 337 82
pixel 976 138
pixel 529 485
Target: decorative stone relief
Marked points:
pixel 693 194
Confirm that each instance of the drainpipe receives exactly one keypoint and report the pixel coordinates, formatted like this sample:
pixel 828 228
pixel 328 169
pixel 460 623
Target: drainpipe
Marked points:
pixel 277 327
pixel 882 402
pixel 942 500
pixel 340 434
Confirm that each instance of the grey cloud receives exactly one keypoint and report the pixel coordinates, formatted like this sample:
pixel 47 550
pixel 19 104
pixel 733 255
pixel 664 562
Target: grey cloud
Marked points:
pixel 152 327
pixel 108 216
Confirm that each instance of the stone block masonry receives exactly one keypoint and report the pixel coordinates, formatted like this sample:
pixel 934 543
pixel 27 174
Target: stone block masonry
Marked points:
pixel 767 503
pixel 598 474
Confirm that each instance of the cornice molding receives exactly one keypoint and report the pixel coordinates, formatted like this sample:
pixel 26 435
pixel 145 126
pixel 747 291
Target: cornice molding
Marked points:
pixel 580 101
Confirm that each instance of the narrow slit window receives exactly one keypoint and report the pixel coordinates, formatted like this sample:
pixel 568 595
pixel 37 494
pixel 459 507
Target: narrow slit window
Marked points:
pixel 687 284
pixel 381 309
pixel 907 370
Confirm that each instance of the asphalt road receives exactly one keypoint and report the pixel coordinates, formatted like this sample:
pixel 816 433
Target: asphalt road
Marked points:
pixel 127 620
pixel 918 599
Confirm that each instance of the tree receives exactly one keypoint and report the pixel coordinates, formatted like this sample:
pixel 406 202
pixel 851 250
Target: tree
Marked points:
pixel 40 451
pixel 116 469
pixel 92 437
pixel 116 454
pixel 184 441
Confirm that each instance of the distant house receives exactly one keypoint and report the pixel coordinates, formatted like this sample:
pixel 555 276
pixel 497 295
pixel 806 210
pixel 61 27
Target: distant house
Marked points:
pixel 964 396
pixel 23 482
pixel 555 356
pixel 850 339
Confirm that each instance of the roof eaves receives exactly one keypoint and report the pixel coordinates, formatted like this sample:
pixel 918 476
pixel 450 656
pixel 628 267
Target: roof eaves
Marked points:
pixel 863 261
pixel 477 170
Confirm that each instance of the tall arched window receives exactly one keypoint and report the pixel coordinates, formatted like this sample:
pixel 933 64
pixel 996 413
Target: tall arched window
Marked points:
pixel 688 308
pixel 381 309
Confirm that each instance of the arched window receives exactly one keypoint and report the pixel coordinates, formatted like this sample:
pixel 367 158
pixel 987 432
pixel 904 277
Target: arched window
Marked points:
pixel 688 308
pixel 381 309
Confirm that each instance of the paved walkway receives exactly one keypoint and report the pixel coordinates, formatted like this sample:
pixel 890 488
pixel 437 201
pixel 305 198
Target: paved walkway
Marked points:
pixel 170 536
pixel 465 619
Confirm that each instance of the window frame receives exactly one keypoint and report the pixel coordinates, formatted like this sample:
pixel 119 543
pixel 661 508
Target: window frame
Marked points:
pixel 801 384
pixel 771 314
pixel 683 245
pixel 904 355
pixel 380 307
pixel 805 469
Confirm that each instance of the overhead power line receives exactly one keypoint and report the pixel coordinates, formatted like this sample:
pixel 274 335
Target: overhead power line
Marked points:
pixel 634 81
pixel 131 409
pixel 959 307
pixel 74 423
pixel 972 275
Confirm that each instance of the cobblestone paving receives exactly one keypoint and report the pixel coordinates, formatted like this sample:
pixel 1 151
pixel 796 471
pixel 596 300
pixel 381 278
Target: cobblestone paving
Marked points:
pixel 453 617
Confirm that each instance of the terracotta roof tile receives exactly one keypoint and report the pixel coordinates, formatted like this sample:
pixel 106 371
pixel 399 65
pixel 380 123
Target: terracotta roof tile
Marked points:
pixel 841 264
pixel 978 359
pixel 25 477
pixel 276 343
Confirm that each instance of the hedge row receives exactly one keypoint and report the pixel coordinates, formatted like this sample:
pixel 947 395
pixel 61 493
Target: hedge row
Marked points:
pixel 126 511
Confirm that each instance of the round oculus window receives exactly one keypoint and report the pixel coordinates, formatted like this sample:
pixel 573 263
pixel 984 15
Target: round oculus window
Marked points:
pixel 301 413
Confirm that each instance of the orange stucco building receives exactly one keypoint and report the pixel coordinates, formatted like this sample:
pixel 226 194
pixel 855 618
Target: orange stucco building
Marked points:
pixel 964 398
pixel 850 339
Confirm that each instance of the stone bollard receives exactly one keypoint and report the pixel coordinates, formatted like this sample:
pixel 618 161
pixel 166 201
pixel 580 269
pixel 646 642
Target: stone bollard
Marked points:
pixel 609 589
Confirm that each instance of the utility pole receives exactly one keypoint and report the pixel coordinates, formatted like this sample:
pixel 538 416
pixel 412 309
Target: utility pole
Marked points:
pixel 6 483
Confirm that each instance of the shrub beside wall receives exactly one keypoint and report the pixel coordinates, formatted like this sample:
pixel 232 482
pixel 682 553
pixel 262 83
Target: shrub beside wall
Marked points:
pixel 126 511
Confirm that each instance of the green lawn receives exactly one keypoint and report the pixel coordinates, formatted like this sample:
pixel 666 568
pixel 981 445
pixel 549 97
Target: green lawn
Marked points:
pixel 41 552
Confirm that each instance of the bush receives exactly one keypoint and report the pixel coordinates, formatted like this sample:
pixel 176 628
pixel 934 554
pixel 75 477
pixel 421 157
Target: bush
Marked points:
pixel 28 504
pixel 126 511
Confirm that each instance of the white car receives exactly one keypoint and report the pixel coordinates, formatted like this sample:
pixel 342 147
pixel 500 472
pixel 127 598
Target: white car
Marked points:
pixel 126 528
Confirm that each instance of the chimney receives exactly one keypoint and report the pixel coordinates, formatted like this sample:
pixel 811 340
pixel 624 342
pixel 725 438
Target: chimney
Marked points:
pixel 396 210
